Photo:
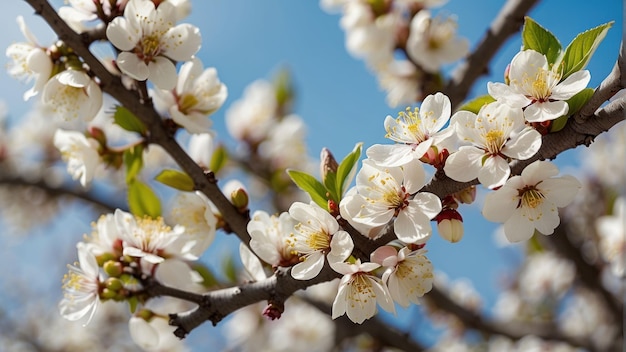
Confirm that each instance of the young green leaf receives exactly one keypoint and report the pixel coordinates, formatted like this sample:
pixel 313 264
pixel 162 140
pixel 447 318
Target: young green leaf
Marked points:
pixel 133 161
pixel 331 184
pixel 575 103
pixel 310 185
pixel 347 169
pixel 142 200
pixel 218 159
pixel 539 39
pixel 579 51
pixel 176 179
pixel 128 121
pixel 475 104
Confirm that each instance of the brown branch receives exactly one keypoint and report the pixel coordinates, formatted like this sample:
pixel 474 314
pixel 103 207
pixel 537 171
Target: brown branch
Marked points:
pixel 508 22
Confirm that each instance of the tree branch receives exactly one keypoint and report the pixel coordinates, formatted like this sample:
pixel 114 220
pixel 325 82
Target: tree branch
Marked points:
pixel 508 22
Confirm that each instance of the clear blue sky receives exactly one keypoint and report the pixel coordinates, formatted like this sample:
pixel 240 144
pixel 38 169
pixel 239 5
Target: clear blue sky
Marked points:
pixel 336 95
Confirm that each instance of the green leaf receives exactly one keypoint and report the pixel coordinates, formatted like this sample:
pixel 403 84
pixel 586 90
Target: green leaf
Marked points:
pixel 579 51
pixel 128 121
pixel 476 104
pixel 346 170
pixel 176 179
pixel 310 185
pixel 218 159
pixel 330 184
pixel 142 200
pixel 133 302
pixel 230 269
pixel 133 161
pixel 575 103
pixel 540 39
pixel 208 279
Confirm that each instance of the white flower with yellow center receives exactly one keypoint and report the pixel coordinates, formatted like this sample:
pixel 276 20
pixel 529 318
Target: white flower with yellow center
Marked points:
pixel 148 238
pixel 80 153
pixel 30 61
pixel 195 213
pixel 496 136
pixel 148 41
pixel 81 287
pixel 409 275
pixel 537 87
pixel 433 42
pixel 531 201
pixel 384 194
pixel 316 236
pixel 415 131
pixel 268 238
pixel 359 292
pixel 72 94
pixel 198 93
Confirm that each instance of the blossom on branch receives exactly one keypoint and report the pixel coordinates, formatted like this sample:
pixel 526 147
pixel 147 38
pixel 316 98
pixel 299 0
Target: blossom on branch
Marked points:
pixel 81 287
pixel 415 132
pixel 529 202
pixel 537 87
pixel 72 94
pixel 268 238
pixel 149 41
pixel 495 136
pixel 384 194
pixel 80 153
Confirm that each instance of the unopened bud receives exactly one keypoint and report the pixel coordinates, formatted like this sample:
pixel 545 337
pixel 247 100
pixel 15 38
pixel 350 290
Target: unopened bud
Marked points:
pixel 328 163
pixel 450 225
pixel 113 268
pixel 114 284
pixel 467 195
pixel 145 314
pixel 239 198
pixel 107 294
pixel 98 134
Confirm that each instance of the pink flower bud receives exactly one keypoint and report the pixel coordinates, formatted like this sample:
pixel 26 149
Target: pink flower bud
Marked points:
pixel 450 225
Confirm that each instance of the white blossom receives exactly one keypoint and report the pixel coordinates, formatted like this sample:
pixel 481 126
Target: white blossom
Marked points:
pixel 315 237
pixel 30 61
pixel 250 118
pixel 194 212
pixel 154 333
pixel 537 87
pixel 268 237
pixel 80 153
pixel 359 292
pixel 401 80
pixel 201 148
pixel 81 287
pixel 612 233
pixel 529 202
pixel 72 94
pixel 492 139
pixel 433 42
pixel 148 41
pixel 385 194
pixel 415 132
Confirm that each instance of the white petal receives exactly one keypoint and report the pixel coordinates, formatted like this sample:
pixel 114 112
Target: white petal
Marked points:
pixel 142 333
pixel 309 268
pixel 412 226
pixel 501 204
pixel 132 66
pixel 183 41
pixel 464 165
pixel 120 34
pixel 162 73
pixel 562 190
pixel 390 155
pixel 571 86
pixel 550 110
pixel 524 145
pixel 538 171
pixel 507 95
pixel 341 246
pixel 494 172
pixel 517 228
pixel 435 112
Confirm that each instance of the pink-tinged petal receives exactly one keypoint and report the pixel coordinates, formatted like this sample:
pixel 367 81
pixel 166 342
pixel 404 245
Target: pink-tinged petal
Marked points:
pixel 524 145
pixel 571 86
pixel 526 64
pixel 546 111
pixel 122 35
pixel 390 155
pixel 414 176
pixel 517 228
pixel 309 268
pixel 132 66
pixel 538 171
pixel 182 42
pixel 412 226
pixel 341 247
pixel 435 112
pixel 428 203
pixel 494 172
pixel 500 205
pixel 162 73
pixel 561 190
pixel 465 164
pixel 385 256
pixel 504 93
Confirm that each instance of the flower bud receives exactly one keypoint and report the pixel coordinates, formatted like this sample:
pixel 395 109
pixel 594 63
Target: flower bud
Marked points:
pixel 114 284
pixel 328 164
pixel 240 199
pixel 113 268
pixel 450 225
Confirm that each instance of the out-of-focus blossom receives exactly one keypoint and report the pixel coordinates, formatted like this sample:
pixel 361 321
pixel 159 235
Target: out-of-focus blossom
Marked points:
pixel 195 214
pixel 201 148
pixel 250 118
pixel 80 153
pixel 612 232
pixel 81 287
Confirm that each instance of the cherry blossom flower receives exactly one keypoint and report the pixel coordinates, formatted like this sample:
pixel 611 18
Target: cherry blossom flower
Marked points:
pixel 198 93
pixel 149 327
pixel 432 42
pixel 538 87
pixel 530 201
pixel 268 238
pixel 81 287
pixel 285 146
pixel 496 136
pixel 385 193
pixel 104 236
pixel 415 131
pixel 359 292
pixel 409 274
pixel 72 94
pixel 250 118
pixel 30 61
pixel 612 233
pixel 148 238
pixel 315 236
pixel 400 79
pixel 201 148
pixel 148 41
pixel 80 153
pixel 194 212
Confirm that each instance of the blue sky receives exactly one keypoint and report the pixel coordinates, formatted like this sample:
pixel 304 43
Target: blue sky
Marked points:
pixel 336 95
